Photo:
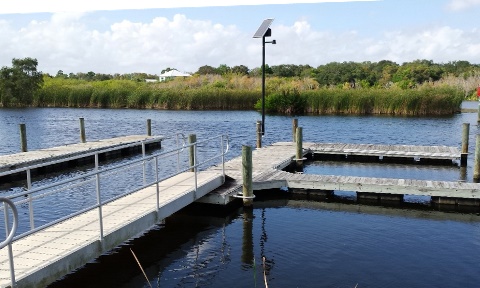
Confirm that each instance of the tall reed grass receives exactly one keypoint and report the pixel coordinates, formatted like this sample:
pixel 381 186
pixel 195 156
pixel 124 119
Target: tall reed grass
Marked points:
pixel 426 100
pixel 298 96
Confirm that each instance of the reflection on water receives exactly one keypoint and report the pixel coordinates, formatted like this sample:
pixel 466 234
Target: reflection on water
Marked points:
pixel 305 244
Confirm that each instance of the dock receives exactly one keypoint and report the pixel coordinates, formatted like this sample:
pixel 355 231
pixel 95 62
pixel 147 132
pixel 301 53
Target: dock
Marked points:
pixel 386 152
pixel 269 163
pixel 43 256
pixel 48 160
pixel 48 254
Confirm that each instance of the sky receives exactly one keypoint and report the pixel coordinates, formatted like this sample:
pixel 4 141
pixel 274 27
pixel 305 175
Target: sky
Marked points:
pixel 148 36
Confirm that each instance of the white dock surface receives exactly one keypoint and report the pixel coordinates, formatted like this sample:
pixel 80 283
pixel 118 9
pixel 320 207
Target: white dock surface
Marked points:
pixel 269 161
pixel 24 159
pixel 49 254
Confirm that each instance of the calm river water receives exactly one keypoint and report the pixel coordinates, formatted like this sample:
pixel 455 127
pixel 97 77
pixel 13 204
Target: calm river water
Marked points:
pixel 305 243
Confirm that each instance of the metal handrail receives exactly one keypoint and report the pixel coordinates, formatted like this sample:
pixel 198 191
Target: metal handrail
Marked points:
pixel 96 172
pixel 83 155
pixel 95 175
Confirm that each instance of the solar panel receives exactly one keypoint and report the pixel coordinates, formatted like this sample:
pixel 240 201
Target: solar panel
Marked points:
pixel 263 28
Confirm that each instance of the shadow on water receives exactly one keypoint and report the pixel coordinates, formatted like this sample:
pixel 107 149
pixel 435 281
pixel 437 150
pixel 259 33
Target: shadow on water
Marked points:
pixel 197 245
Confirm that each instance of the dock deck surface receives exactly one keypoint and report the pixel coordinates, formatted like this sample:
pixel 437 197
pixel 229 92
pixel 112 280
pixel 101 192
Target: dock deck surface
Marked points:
pixel 411 151
pixel 37 157
pixel 46 255
pixel 72 243
pixel 269 161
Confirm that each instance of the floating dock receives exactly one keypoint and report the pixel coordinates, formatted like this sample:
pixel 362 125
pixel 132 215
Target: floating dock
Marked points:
pixel 48 254
pixel 269 162
pixel 43 257
pixel 55 159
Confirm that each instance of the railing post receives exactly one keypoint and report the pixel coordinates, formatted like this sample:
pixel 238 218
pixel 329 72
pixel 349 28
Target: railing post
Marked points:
pixel 259 134
pixel 476 166
pixel 144 165
pixel 23 138
pixel 99 199
pixel 247 169
pixel 465 136
pixel 10 251
pixel 30 199
pixel 192 138
pixel 294 128
pixel 149 127
pixel 83 138
pixel 157 185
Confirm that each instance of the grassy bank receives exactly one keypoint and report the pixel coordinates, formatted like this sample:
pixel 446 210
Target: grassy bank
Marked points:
pixel 427 100
pixel 243 93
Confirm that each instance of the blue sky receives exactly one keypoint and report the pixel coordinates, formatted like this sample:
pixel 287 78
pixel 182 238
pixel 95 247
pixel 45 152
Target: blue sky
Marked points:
pixel 148 36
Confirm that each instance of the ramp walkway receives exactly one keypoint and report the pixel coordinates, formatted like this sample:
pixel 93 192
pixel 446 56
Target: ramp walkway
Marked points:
pixel 43 254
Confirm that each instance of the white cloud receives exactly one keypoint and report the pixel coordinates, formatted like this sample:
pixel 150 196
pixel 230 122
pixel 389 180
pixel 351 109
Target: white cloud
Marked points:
pixel 64 43
pixel 55 6
pixel 459 5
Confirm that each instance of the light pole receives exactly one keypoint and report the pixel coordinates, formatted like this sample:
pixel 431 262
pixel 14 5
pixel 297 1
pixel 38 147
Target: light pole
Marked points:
pixel 262 32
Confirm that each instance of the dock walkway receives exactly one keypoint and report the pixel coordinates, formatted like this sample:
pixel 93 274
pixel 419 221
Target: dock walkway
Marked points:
pixel 430 152
pixel 48 254
pixel 269 161
pixel 78 150
pixel 45 256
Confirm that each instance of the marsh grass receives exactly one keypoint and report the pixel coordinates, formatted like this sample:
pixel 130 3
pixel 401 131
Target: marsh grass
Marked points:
pixel 284 96
pixel 426 100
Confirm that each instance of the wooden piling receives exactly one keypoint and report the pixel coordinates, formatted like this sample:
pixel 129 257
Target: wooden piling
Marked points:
pixel 294 128
pixel 259 134
pixel 83 138
pixel 247 168
pixel 149 127
pixel 465 136
pixel 23 137
pixel 299 147
pixel 476 166
pixel 192 138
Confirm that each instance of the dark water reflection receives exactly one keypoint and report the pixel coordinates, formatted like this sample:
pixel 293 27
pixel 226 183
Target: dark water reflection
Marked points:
pixel 305 243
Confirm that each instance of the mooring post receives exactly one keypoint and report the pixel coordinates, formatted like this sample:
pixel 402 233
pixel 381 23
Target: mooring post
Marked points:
pixel 259 134
pixel 476 166
pixel 465 135
pixel 192 138
pixel 149 127
pixel 247 175
pixel 294 128
pixel 299 148
pixel 83 139
pixel 23 137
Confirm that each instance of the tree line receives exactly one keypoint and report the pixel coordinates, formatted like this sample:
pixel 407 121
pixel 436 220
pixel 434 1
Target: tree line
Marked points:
pixel 21 80
pixel 356 74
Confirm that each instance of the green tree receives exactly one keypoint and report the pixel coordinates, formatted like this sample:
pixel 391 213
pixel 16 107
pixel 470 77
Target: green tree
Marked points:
pixel 223 69
pixel 19 82
pixel 240 70
pixel 206 69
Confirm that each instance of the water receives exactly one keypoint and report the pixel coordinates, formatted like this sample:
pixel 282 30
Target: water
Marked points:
pixel 305 243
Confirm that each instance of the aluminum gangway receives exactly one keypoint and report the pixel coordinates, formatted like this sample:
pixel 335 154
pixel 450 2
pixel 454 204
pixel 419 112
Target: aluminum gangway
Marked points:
pixel 38 249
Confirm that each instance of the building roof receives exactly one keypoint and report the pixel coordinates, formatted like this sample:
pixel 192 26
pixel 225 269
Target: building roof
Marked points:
pixel 174 73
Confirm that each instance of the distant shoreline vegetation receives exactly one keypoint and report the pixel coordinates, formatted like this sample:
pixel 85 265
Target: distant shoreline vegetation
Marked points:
pixel 283 96
pixel 420 87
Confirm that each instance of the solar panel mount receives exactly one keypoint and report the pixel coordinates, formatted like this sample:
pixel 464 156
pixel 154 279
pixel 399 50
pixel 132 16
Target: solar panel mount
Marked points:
pixel 262 30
